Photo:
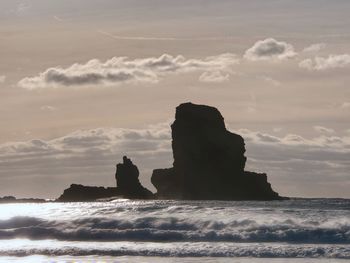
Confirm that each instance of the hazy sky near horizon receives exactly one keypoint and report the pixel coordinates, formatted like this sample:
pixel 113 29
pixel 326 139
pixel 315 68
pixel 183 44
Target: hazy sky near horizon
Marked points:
pixel 84 82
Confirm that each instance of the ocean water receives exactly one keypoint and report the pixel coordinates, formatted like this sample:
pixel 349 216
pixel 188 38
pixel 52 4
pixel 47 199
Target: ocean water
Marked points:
pixel 298 230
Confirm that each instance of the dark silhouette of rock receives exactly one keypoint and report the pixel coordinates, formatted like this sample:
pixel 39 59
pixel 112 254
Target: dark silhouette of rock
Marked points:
pixel 81 193
pixel 209 161
pixel 8 198
pixel 12 199
pixel 208 164
pixel 128 186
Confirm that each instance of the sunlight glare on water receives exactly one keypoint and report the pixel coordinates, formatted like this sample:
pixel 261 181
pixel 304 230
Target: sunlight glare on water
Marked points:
pixel 300 228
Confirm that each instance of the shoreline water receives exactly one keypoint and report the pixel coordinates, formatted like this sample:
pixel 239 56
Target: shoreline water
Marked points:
pixel 128 259
pixel 317 229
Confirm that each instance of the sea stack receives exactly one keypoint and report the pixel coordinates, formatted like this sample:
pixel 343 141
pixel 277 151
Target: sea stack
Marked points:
pixel 209 161
pixel 128 184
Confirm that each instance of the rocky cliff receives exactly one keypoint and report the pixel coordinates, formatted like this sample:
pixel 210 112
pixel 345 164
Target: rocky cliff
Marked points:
pixel 209 161
pixel 128 186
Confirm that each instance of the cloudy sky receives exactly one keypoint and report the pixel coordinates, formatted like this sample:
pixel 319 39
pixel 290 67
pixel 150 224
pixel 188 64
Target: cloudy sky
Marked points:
pixel 83 82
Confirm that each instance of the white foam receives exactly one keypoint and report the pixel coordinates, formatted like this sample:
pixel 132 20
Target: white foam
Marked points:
pixel 23 247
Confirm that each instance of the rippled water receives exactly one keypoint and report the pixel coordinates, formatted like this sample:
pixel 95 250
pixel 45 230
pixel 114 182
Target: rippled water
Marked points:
pixel 312 230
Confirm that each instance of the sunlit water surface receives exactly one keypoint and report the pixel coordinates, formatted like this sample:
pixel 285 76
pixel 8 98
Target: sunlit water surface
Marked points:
pixel 299 230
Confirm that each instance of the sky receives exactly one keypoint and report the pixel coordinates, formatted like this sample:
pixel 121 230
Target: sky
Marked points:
pixel 84 82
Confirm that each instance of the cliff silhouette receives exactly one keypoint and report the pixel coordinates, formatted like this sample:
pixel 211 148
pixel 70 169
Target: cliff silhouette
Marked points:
pixel 128 186
pixel 209 161
pixel 209 164
pixel 12 199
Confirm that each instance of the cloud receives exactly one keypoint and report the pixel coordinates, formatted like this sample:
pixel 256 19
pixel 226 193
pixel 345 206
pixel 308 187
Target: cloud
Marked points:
pixel 314 48
pixel 83 156
pixel 270 49
pixel 124 70
pixel 137 37
pixel 277 129
pixel 160 38
pixel 322 129
pixel 214 76
pixel 22 8
pixel 2 78
pixel 57 18
pixel 323 141
pixel 48 108
pixel 81 142
pixel 345 105
pixel 324 63
pixel 295 165
pixel 298 166
pixel 272 81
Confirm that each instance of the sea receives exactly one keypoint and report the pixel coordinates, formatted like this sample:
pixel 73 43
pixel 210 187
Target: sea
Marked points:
pixel 296 230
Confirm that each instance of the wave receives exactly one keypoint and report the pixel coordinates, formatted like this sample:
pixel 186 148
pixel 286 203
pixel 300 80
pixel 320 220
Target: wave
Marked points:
pixel 172 229
pixel 184 249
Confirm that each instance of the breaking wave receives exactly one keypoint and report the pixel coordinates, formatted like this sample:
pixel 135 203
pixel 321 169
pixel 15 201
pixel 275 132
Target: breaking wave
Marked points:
pixel 172 229
pixel 341 253
pixel 183 249
pixel 303 228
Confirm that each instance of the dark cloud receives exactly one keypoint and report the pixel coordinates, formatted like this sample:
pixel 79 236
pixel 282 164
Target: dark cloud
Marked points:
pixel 122 70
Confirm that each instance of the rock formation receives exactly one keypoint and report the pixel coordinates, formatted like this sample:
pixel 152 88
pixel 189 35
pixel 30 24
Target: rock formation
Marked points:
pixel 209 161
pixel 128 186
pixel 82 193
pixel 208 164
pixel 12 199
